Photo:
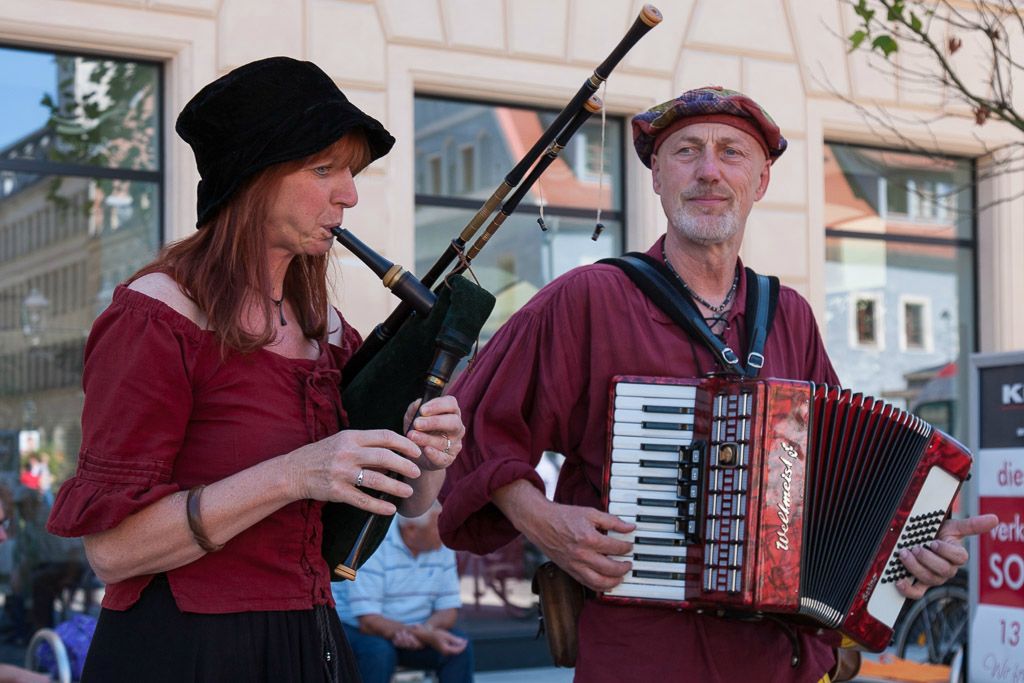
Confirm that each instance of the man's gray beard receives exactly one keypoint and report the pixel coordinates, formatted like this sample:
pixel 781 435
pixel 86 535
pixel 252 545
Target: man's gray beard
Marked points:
pixel 705 229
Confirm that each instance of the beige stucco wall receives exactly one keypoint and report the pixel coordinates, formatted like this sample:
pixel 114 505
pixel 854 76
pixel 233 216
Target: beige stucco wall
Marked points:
pixel 787 54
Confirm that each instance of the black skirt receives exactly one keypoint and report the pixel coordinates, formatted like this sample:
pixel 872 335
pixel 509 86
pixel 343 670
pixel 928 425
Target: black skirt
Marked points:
pixel 154 641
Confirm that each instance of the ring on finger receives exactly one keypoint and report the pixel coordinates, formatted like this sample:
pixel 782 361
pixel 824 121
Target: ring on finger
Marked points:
pixel 448 445
pixel 359 478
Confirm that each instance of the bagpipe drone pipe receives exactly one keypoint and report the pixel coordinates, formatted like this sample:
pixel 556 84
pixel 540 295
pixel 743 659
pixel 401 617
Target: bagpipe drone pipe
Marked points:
pixel 412 354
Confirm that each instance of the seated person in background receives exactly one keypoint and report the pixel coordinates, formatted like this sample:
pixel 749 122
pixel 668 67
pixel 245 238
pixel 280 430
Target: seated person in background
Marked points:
pixel 402 607
pixel 46 564
pixel 8 672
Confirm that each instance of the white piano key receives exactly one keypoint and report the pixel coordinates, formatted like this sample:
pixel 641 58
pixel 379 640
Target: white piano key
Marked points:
pixel 645 525
pixel 633 590
pixel 633 496
pixel 631 536
pixel 662 567
pixel 680 437
pixel 658 563
pixel 654 406
pixel 632 510
pixel 652 581
pixel 660 550
pixel 632 416
pixel 629 469
pixel 636 456
pixel 655 390
pixel 635 442
pixel 633 484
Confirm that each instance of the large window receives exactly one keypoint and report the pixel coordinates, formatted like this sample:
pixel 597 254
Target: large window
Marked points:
pixel 463 152
pixel 80 210
pixel 900 274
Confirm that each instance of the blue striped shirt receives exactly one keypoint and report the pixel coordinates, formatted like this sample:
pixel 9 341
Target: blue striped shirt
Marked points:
pixel 399 586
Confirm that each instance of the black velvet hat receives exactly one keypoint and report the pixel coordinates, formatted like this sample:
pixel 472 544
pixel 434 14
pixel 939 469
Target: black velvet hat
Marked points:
pixel 263 113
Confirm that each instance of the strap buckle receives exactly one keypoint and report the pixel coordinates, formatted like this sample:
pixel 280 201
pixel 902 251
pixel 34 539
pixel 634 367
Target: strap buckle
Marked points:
pixel 755 360
pixel 729 356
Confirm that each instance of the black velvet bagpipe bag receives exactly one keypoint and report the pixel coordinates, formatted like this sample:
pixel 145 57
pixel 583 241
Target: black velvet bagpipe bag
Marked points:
pixel 378 396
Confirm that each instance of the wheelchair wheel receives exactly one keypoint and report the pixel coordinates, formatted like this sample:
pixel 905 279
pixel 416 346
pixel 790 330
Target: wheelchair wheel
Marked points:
pixel 45 635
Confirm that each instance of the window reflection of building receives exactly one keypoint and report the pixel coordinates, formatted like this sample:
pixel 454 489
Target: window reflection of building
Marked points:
pixel 899 236
pixel 79 212
pixel 866 321
pixel 464 150
pixel 915 325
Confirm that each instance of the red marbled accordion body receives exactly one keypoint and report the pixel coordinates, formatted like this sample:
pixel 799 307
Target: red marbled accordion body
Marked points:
pixel 789 498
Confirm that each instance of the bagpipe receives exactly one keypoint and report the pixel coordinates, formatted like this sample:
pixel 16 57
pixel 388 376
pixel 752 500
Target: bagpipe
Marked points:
pixel 414 351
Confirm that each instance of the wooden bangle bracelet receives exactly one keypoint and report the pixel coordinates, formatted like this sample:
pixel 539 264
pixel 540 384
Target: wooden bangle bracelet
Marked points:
pixel 195 522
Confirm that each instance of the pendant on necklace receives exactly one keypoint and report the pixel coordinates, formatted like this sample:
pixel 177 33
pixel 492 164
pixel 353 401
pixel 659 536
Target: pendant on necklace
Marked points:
pixel 280 310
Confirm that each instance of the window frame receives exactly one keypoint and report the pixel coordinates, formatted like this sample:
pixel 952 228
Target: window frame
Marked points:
pixel 927 336
pixel 879 321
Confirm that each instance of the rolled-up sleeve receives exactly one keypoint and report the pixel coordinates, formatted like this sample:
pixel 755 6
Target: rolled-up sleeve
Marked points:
pixel 518 400
pixel 138 399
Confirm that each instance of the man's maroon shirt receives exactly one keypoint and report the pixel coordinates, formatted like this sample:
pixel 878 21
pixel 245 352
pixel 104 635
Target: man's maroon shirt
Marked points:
pixel 542 384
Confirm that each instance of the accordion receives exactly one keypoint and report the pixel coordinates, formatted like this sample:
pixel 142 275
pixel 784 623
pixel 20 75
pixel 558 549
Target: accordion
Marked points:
pixel 774 497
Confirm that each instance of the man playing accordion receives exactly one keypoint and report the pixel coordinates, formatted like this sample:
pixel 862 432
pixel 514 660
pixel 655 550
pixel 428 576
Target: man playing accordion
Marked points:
pixel 542 384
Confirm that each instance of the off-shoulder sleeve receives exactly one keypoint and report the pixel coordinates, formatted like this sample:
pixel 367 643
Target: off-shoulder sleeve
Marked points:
pixel 517 402
pixel 138 398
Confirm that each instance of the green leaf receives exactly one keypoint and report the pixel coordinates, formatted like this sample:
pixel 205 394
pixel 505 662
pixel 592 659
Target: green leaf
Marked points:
pixel 885 44
pixel 856 38
pixel 863 12
pixel 896 11
pixel 915 23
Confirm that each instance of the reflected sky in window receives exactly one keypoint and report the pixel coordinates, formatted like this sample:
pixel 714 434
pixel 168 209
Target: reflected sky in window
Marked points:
pixel 24 78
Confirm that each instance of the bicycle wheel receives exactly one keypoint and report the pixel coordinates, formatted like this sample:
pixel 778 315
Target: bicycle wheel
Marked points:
pixel 935 627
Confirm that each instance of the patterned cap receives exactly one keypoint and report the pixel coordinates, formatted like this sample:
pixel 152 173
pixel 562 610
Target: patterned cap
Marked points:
pixel 709 104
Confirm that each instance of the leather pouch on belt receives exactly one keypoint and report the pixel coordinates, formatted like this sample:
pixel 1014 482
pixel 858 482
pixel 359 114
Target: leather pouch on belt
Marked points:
pixel 561 601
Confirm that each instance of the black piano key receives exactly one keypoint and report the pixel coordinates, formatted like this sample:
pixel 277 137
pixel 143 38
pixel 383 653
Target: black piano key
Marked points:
pixel 657 502
pixel 656 519
pixel 660 464
pixel 666 481
pixel 668 576
pixel 667 410
pixel 657 540
pixel 668 426
pixel 667 559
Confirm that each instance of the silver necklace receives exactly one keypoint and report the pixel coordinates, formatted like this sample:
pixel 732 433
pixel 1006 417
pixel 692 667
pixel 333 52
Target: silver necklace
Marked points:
pixel 720 308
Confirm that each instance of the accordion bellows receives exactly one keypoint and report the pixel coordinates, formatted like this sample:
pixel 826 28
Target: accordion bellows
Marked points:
pixel 774 496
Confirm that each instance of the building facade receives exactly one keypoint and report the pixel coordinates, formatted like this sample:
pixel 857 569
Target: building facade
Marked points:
pixel 910 260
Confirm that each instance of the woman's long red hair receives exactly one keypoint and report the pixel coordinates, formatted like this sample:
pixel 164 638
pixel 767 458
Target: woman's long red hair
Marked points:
pixel 223 266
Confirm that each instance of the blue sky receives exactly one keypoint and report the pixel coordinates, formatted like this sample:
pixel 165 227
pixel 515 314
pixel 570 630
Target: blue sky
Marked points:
pixel 24 77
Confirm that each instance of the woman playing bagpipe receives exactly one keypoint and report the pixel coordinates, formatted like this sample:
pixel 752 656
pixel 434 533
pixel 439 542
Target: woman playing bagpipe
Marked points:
pixel 213 424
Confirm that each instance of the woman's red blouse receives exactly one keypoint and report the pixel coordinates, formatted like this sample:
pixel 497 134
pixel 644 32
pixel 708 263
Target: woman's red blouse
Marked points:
pixel 164 411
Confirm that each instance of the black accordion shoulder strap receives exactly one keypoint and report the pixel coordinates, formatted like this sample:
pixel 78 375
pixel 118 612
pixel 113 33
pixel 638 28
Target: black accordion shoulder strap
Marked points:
pixel 762 296
pixel 656 281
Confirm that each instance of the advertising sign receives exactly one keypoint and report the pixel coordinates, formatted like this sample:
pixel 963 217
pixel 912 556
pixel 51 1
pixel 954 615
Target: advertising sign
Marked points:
pixel 996 646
